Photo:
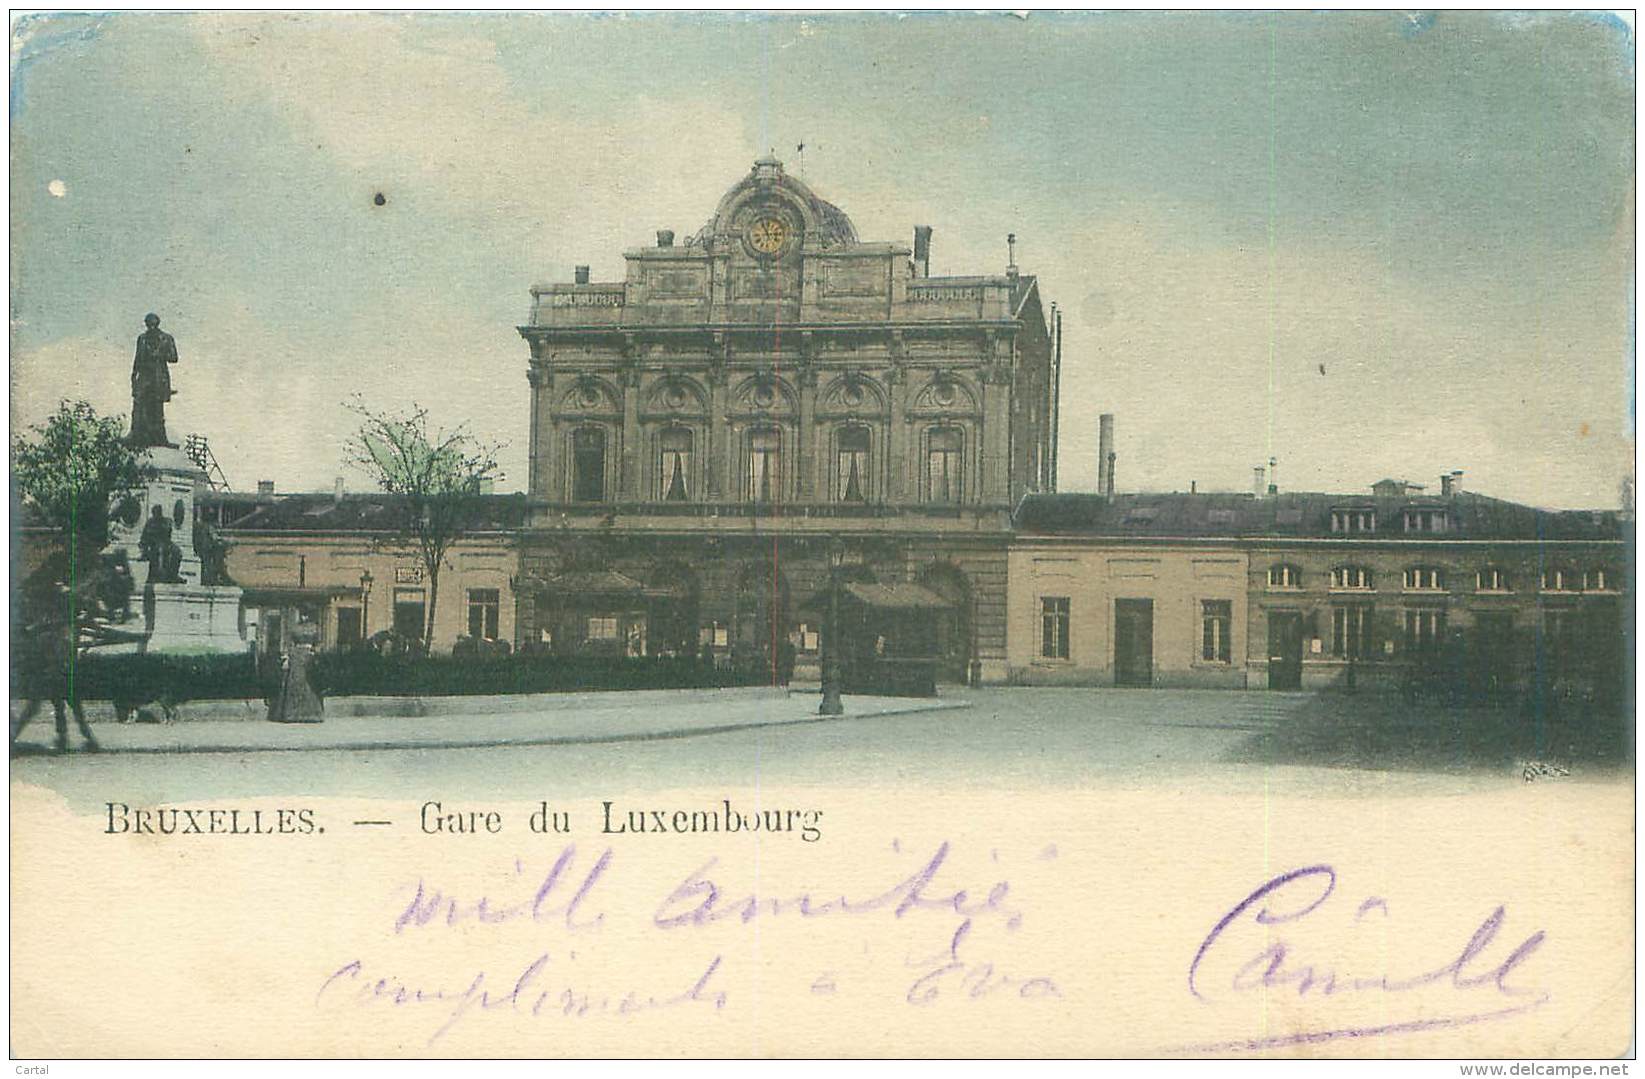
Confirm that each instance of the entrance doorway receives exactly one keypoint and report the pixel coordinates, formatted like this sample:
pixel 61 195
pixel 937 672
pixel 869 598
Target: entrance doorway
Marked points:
pixel 1284 650
pixel 1133 642
pixel 408 613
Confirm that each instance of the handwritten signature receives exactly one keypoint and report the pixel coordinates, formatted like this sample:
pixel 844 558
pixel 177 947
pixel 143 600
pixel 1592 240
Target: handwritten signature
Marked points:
pixel 1292 898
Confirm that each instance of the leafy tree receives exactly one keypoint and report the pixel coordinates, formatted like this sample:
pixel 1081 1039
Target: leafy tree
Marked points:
pixel 70 471
pixel 441 476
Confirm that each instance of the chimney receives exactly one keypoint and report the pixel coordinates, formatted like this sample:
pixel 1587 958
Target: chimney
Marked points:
pixel 1011 254
pixel 1105 454
pixel 922 249
pixel 1193 487
pixel 580 275
pixel 1451 485
pixel 1273 476
pixel 665 237
pixel 265 487
pixel 1259 481
pixel 337 490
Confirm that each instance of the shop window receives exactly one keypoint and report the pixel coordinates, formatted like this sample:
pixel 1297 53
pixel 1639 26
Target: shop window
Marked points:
pixel 1424 631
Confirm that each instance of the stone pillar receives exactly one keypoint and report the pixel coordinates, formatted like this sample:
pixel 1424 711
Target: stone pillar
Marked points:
pixel 805 458
pixel 628 488
pixel 896 434
pixel 720 452
pixel 537 480
pixel 996 434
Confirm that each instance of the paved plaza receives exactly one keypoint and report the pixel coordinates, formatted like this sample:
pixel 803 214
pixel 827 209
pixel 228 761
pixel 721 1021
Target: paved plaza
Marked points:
pixel 586 744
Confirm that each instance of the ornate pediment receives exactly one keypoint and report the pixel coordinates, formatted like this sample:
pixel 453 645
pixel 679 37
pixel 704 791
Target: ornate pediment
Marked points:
pixel 853 394
pixel 946 392
pixel 676 395
pixel 590 394
pixel 765 393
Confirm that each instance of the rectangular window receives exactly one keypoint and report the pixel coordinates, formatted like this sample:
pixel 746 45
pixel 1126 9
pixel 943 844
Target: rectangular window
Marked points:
pixel 1425 520
pixel 943 480
pixel 1054 627
pixel 764 466
pixel 1351 632
pixel 810 638
pixel 715 635
pixel 483 607
pixel 588 465
pixel 602 628
pixel 1492 579
pixel 1424 631
pixel 674 466
pixel 1284 576
pixel 1217 619
pixel 1557 580
pixel 851 474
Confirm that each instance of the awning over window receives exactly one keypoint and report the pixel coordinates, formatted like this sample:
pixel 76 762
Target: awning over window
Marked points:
pixel 600 583
pixel 896 596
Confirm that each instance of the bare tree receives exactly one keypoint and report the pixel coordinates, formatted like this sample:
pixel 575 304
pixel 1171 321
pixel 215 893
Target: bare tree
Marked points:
pixel 439 476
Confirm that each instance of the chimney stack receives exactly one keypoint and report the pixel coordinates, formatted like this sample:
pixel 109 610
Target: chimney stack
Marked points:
pixel 580 275
pixel 1273 476
pixel 922 249
pixel 1011 254
pixel 337 490
pixel 1105 454
pixel 265 487
pixel 1451 484
pixel 1259 481
pixel 665 237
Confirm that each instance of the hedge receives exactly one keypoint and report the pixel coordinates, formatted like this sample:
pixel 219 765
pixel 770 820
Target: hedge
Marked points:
pixel 235 677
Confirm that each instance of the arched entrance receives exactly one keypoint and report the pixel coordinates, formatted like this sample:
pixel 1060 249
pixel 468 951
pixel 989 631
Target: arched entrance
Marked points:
pixel 954 631
pixel 675 588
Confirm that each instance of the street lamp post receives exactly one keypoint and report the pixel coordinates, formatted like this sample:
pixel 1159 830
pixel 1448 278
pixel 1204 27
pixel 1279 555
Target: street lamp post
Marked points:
pixel 831 704
pixel 365 605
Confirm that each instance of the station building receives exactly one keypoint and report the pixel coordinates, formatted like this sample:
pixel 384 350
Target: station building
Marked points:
pixel 767 401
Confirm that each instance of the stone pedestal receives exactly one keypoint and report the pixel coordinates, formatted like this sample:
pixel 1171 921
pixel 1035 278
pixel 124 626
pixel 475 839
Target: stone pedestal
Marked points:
pixel 192 618
pixel 171 488
pixel 177 617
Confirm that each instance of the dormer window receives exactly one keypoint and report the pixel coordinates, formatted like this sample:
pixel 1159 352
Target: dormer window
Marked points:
pixel 1558 580
pixel 1599 580
pixel 1284 576
pixel 1424 579
pixel 1426 519
pixel 1351 579
pixel 1492 579
pixel 1353 520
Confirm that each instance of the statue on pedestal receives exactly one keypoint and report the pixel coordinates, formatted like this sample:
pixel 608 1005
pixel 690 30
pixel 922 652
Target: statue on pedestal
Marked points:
pixel 151 385
pixel 160 551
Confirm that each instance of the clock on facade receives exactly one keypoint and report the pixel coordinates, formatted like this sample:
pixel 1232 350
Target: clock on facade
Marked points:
pixel 768 235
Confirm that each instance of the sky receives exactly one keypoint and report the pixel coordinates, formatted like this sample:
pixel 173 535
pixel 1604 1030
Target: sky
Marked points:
pixel 1363 244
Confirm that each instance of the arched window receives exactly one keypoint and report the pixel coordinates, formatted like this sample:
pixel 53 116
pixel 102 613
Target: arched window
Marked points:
pixel 1424 579
pixel 1351 578
pixel 764 478
pixel 1493 579
pixel 944 465
pixel 1284 575
pixel 851 471
pixel 674 465
pixel 588 465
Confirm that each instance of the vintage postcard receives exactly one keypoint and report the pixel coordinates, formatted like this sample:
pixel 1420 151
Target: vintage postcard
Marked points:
pixel 822 535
